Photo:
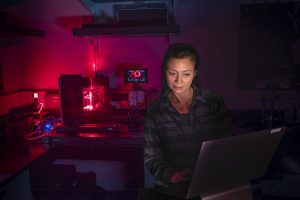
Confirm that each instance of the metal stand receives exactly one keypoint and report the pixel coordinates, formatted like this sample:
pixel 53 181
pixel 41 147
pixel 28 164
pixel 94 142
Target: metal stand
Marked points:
pixel 135 101
pixel 243 192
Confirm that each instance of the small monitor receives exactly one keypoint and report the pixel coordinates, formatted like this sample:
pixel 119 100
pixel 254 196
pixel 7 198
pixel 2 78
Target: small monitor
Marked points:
pixel 136 76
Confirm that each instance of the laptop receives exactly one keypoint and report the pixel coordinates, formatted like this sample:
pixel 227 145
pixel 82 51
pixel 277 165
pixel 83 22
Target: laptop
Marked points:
pixel 228 163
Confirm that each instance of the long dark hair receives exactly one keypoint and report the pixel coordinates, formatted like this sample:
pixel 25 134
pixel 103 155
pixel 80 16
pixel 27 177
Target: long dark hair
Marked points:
pixel 179 50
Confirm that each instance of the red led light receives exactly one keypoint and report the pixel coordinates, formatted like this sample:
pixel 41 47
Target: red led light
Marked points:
pixel 135 74
pixel 93 98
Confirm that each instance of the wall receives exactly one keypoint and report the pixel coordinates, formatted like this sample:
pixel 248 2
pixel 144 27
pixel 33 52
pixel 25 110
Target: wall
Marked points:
pixel 42 60
pixel 61 53
pixel 212 26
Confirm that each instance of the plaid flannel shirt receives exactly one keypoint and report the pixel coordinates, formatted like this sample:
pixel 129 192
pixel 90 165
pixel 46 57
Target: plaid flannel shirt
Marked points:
pixel 172 140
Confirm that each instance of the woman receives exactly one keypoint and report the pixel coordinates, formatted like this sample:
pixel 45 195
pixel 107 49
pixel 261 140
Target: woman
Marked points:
pixel 181 118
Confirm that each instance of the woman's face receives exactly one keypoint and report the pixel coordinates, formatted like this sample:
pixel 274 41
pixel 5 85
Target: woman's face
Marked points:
pixel 180 74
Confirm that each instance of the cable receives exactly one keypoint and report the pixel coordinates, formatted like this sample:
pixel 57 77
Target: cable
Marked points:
pixel 42 129
pixel 34 135
pixel 42 105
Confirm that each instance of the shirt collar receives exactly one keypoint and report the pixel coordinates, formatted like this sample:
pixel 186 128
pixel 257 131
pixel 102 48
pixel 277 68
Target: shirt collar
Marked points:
pixel 198 95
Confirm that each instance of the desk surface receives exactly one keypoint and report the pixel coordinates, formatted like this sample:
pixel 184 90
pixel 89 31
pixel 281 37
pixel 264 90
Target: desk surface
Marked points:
pixel 16 157
pixel 123 135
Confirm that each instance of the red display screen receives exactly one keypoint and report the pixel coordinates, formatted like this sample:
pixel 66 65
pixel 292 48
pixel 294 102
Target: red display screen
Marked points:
pixel 136 75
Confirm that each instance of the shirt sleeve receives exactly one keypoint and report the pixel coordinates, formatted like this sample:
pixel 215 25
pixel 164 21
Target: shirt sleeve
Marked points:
pixel 153 153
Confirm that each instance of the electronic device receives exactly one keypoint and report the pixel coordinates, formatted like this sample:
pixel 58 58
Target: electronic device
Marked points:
pixel 136 75
pixel 229 163
pixel 82 98
pixel 137 14
pixel 70 91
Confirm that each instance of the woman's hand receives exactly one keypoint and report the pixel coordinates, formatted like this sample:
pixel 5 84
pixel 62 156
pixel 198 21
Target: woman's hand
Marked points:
pixel 182 176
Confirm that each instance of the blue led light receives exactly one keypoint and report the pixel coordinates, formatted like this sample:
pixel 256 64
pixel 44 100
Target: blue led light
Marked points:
pixel 47 126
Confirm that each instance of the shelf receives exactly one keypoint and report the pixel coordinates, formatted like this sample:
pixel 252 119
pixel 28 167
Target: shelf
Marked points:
pixel 9 30
pixel 138 18
pixel 10 33
pixel 122 30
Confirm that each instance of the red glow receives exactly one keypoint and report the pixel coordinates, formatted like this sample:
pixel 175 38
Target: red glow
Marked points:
pixel 94 67
pixel 92 135
pixel 93 98
pixel 96 63
pixel 88 107
pixel 87 99
pixel 96 56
